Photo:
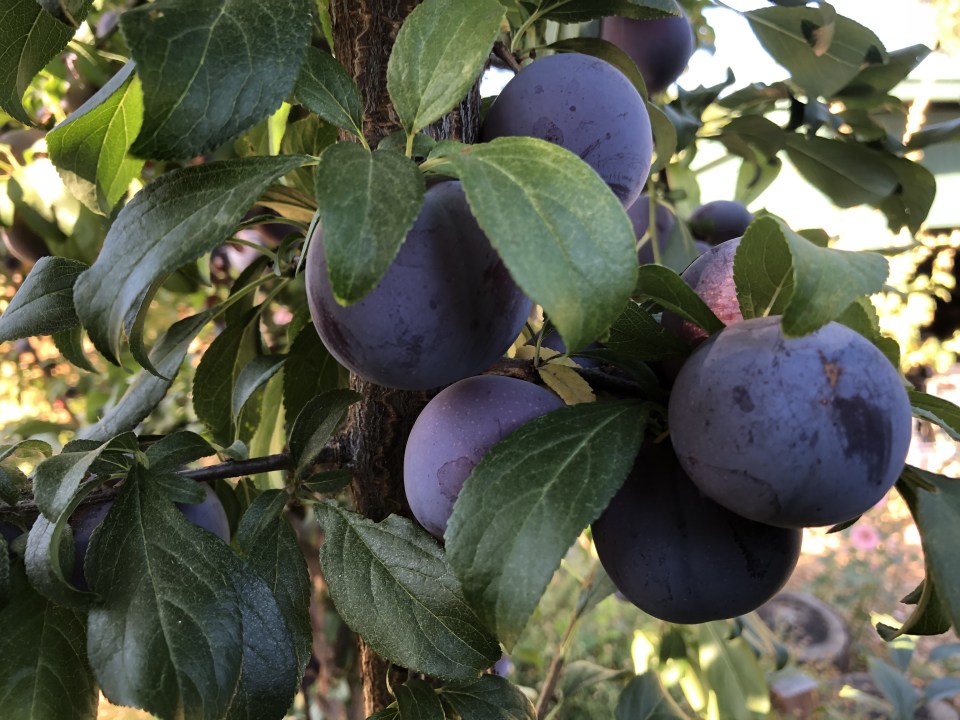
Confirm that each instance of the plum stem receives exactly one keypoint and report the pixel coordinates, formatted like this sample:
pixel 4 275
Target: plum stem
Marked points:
pixel 504 54
pixel 652 226
pixel 532 19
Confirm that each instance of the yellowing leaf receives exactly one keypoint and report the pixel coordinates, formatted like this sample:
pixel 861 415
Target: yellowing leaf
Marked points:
pixel 565 382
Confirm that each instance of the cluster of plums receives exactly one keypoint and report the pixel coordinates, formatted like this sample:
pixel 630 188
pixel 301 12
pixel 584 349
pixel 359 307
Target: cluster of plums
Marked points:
pixel 768 435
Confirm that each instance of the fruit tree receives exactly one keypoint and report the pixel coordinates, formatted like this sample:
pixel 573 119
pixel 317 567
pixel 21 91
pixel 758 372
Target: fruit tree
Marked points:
pixel 444 329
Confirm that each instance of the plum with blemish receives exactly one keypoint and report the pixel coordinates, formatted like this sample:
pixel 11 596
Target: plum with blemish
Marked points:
pixel 661 48
pixel 446 309
pixel 711 277
pixel 585 105
pixel 793 432
pixel 681 557
pixel 719 221
pixel 455 430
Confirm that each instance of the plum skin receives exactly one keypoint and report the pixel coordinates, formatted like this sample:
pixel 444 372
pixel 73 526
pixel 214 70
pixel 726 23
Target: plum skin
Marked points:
pixel 446 309
pixel 661 48
pixel 720 220
pixel 455 430
pixel 586 106
pixel 711 277
pixel 681 557
pixel 209 515
pixel 793 432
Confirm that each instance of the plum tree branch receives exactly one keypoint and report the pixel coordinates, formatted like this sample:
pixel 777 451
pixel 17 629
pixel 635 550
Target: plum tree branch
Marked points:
pixel 504 54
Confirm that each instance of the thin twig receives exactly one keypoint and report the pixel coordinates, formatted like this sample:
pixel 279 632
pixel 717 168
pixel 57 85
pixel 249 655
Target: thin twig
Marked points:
pixel 503 53
pixel 239 468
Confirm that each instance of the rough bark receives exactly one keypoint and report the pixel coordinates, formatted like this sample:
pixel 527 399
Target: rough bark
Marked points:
pixel 364 32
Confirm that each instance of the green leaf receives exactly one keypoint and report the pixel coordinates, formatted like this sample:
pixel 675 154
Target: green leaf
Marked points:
pixel 753 179
pixel 177 449
pixel 310 371
pixel 269 678
pixel 756 130
pixel 875 81
pixel 636 334
pixel 908 205
pixel 948 131
pixel 179 489
pixel 329 481
pixel 439 52
pixel 847 173
pixel 645 699
pixel 561 231
pixel 325 87
pixel 270 437
pixel 217 373
pixel 638 371
pixel 315 424
pixel 607 51
pixel 664 137
pixel 44 556
pixel 44 303
pixel 896 688
pixel 506 538
pixel 391 583
pixel 43 660
pixel 490 697
pixel 391 712
pixel 147 390
pixel 165 588
pixel 89 149
pixel 582 674
pixel 368 202
pixel 732 670
pixel 70 344
pixel 310 136
pixel 30 38
pixel 934 502
pixel 936 410
pixel 787 34
pixel 416 700
pixel 266 508
pixel 423 144
pixel 277 558
pixel 929 617
pixel 253 376
pixel 663 285
pixel 235 63
pixel 56 479
pixel 577 11
pixel 175 219
pixel 776 270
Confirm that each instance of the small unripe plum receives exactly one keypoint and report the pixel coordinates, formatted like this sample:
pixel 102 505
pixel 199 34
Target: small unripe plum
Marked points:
pixel 209 515
pixel 719 221
pixel 639 214
pixel 711 277
pixel 794 432
pixel 455 430
pixel 586 106
pixel 554 342
pixel 660 48
pixel 681 557
pixel 23 243
pixel 446 309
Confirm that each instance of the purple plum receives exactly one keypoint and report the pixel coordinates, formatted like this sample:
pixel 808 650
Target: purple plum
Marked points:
pixel 446 309
pixel 660 48
pixel 586 106
pixel 719 221
pixel 793 432
pixel 455 430
pixel 683 558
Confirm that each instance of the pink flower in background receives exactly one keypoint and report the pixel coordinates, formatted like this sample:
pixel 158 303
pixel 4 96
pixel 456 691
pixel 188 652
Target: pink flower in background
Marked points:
pixel 864 537
pixel 282 316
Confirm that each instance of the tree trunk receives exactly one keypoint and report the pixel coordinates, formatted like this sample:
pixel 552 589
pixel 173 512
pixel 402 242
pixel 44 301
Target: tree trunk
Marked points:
pixel 378 426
